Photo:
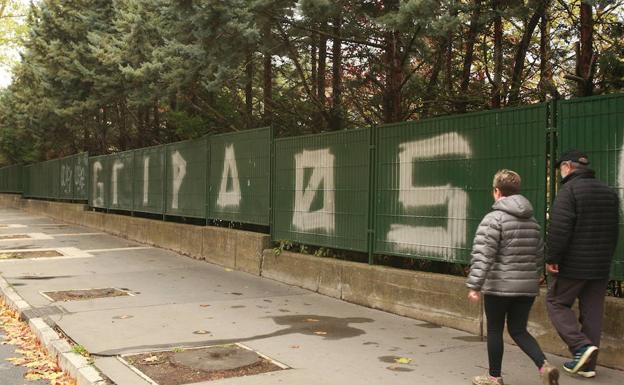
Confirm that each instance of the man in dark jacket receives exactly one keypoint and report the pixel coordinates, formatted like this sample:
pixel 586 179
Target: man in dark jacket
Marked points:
pixel 582 237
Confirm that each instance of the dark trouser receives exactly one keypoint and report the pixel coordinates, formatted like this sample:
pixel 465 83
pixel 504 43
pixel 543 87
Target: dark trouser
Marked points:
pixel 562 293
pixel 516 310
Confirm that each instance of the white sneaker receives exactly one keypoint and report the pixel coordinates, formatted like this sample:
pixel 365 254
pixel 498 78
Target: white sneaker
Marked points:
pixel 587 373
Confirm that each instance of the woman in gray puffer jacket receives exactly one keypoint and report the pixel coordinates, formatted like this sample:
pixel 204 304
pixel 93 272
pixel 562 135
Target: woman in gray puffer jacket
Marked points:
pixel 507 260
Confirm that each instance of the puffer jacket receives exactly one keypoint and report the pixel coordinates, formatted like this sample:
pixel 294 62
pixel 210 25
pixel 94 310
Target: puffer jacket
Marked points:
pixel 508 251
pixel 583 230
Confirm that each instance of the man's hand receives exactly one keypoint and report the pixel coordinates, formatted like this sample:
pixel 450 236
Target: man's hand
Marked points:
pixel 552 268
pixel 474 295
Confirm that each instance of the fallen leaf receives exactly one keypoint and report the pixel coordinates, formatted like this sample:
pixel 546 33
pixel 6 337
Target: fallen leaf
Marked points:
pixel 403 360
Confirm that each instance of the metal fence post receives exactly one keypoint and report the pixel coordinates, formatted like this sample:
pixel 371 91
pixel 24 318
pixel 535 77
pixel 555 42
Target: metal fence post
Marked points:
pixel 372 192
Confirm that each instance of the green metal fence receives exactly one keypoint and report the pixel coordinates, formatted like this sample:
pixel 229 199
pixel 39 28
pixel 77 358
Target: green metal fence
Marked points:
pixel 596 126
pixel 149 180
pixel 73 177
pixel 44 180
pixel 186 178
pixel 240 169
pixel 321 187
pixel 11 179
pixel 99 176
pixel 416 189
pixel 434 178
pixel 120 181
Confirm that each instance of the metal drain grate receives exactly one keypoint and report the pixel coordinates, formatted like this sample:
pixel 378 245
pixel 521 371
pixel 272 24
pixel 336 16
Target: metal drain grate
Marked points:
pixel 84 294
pixel 186 366
pixel 29 254
pixel 6 237
pixel 41 312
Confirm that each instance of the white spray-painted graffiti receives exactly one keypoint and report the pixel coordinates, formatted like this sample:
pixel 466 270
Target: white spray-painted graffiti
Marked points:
pixel 98 187
pixel 146 161
pixel 117 166
pixel 430 239
pixel 232 197
pixel 179 172
pixel 66 179
pixel 80 178
pixel 321 162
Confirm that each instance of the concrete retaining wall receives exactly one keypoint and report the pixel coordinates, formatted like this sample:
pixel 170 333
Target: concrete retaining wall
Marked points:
pixel 234 249
pixel 434 298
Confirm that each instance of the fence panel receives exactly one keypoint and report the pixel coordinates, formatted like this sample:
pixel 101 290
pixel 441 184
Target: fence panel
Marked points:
pixel 44 180
pixel 81 176
pixel 149 171
pixel 594 125
pixel 26 181
pixel 320 189
pixel 434 178
pixel 11 179
pixel 99 192
pixel 240 176
pixel 66 187
pixel 120 180
pixel 186 175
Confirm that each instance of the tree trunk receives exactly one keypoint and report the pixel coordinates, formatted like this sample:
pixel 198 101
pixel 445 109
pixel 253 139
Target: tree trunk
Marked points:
pixel 104 131
pixel 498 55
pixel 518 69
pixel 336 112
pixel 433 79
pixel 313 62
pixel 393 70
pixel 448 67
pixel 546 83
pixel 249 70
pixel 155 123
pixel 586 55
pixel 322 63
pixel 471 37
pixel 268 89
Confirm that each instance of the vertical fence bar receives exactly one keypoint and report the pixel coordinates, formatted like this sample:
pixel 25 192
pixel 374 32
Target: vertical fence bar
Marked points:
pixel 272 182
pixel 372 192
pixel 164 183
pixel 208 186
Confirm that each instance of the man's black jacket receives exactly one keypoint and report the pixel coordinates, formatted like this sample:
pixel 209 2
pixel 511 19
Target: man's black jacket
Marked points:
pixel 583 229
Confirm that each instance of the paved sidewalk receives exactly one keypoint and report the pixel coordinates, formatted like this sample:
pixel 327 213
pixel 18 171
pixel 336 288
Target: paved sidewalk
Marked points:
pixel 176 300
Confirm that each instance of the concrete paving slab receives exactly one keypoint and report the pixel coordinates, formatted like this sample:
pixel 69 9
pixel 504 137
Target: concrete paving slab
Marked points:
pixel 183 302
pixel 118 372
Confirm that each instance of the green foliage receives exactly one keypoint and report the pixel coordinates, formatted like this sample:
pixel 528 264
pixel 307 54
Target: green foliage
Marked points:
pixel 103 76
pixel 79 349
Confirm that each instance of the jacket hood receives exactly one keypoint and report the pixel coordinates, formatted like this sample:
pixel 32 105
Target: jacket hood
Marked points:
pixel 516 205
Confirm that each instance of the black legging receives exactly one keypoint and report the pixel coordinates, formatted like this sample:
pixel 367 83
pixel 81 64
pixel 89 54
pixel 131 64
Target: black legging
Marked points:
pixel 516 309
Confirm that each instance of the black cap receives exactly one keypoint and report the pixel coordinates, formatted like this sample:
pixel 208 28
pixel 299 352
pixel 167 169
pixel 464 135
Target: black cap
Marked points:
pixel 573 156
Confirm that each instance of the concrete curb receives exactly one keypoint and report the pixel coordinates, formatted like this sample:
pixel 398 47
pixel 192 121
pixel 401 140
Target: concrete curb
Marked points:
pixel 76 365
